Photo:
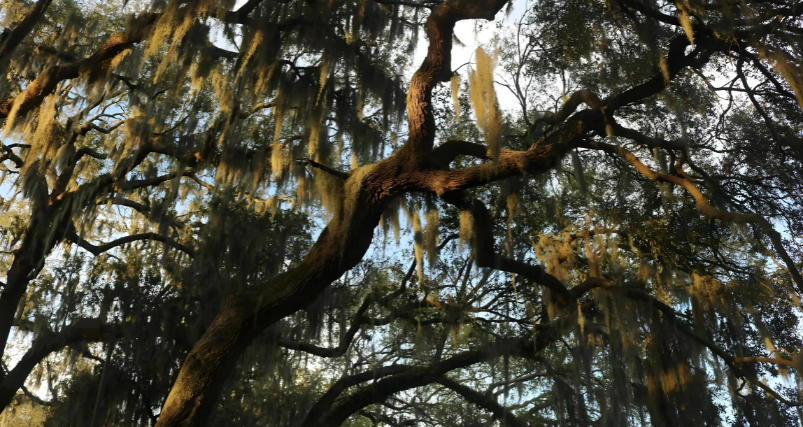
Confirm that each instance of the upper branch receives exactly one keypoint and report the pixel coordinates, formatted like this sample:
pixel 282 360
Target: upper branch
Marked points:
pixel 10 39
pixel 539 158
pixel 437 68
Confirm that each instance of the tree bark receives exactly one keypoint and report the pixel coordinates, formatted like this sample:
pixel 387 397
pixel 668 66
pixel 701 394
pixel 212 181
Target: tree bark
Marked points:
pixel 46 82
pixel 211 360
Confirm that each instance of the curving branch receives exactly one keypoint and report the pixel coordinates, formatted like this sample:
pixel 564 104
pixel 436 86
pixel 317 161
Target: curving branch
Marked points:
pixel 539 158
pixel 10 155
pixel 42 346
pixel 359 320
pixel 583 96
pixel 675 61
pixel 484 401
pixel 410 378
pixel 328 399
pixel 256 108
pixel 11 38
pixel 100 249
pixel 705 207
pixel 46 82
pixel 437 68
pixel 766 360
pixel 149 182
pixel 485 253
pixel 447 152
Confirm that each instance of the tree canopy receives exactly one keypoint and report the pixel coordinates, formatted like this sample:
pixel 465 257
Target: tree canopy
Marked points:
pixel 266 213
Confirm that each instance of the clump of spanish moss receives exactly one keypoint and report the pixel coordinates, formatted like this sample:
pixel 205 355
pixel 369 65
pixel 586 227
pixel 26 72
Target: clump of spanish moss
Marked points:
pixel 483 101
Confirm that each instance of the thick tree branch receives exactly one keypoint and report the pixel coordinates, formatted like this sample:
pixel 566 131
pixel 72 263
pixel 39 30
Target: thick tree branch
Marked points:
pixel 11 38
pixel 675 61
pixel 540 158
pixel 444 154
pixel 43 85
pixel 775 361
pixel 437 68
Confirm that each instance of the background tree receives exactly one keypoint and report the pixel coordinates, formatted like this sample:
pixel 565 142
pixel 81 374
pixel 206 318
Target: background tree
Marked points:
pixel 620 263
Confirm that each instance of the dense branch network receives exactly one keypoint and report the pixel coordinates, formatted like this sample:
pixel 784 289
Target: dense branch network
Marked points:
pixel 311 77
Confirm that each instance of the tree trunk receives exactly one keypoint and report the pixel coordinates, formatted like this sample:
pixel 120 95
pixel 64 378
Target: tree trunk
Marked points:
pixel 245 316
pixel 40 238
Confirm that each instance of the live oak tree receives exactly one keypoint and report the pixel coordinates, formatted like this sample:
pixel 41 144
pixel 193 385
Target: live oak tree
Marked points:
pixel 202 198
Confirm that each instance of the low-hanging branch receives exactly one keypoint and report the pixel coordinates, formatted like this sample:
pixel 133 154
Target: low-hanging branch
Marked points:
pixel 382 389
pixel 46 82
